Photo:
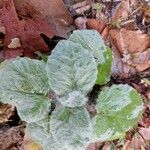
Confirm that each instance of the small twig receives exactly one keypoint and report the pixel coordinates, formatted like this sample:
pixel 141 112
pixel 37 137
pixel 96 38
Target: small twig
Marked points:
pixel 83 9
pixel 79 5
pixel 127 22
pixel 141 136
pixel 135 11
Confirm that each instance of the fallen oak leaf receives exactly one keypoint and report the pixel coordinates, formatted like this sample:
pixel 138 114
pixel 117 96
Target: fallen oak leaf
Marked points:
pixel 96 24
pixel 119 68
pixel 128 41
pixel 132 14
pixel 6 111
pixel 105 33
pixel 125 10
pixel 133 47
pixel 31 38
pixel 140 60
pixel 28 30
pixel 140 140
pixel 12 138
pixel 53 12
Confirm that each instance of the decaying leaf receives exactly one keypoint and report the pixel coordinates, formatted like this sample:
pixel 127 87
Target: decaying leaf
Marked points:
pixel 52 11
pixel 27 29
pixel 141 61
pixel 138 142
pixel 118 67
pixel 6 111
pixel 131 43
pixel 12 139
pixel 133 47
pixel 96 24
pixel 125 9
pixel 128 41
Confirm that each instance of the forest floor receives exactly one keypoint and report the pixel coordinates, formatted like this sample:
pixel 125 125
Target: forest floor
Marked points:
pixel 123 24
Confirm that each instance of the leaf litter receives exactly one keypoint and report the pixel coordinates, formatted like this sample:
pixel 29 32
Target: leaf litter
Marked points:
pixel 123 24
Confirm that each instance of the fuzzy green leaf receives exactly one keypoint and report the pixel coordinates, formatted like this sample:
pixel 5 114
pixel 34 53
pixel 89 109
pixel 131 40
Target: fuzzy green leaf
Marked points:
pixel 73 99
pixel 92 41
pixel 118 110
pixel 40 132
pixel 23 83
pixel 32 107
pixel 24 75
pixel 71 126
pixel 104 69
pixel 70 67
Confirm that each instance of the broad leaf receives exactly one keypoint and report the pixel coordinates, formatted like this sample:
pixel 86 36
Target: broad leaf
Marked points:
pixel 32 107
pixel 23 83
pixel 72 127
pixel 73 99
pixel 92 41
pixel 40 132
pixel 71 67
pixel 24 75
pixel 118 110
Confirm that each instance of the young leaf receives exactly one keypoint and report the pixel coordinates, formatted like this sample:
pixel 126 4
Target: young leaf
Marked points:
pixel 40 132
pixel 32 107
pixel 73 99
pixel 71 67
pixel 104 69
pixel 23 83
pixel 24 75
pixel 73 130
pixel 118 110
pixel 92 41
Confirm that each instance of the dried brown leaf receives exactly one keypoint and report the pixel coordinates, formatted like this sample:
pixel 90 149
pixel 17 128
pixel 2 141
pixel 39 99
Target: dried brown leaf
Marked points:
pixel 27 30
pixel 128 41
pixel 52 11
pixel 96 24
pixel 133 47
pixel 6 111
pixel 12 139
